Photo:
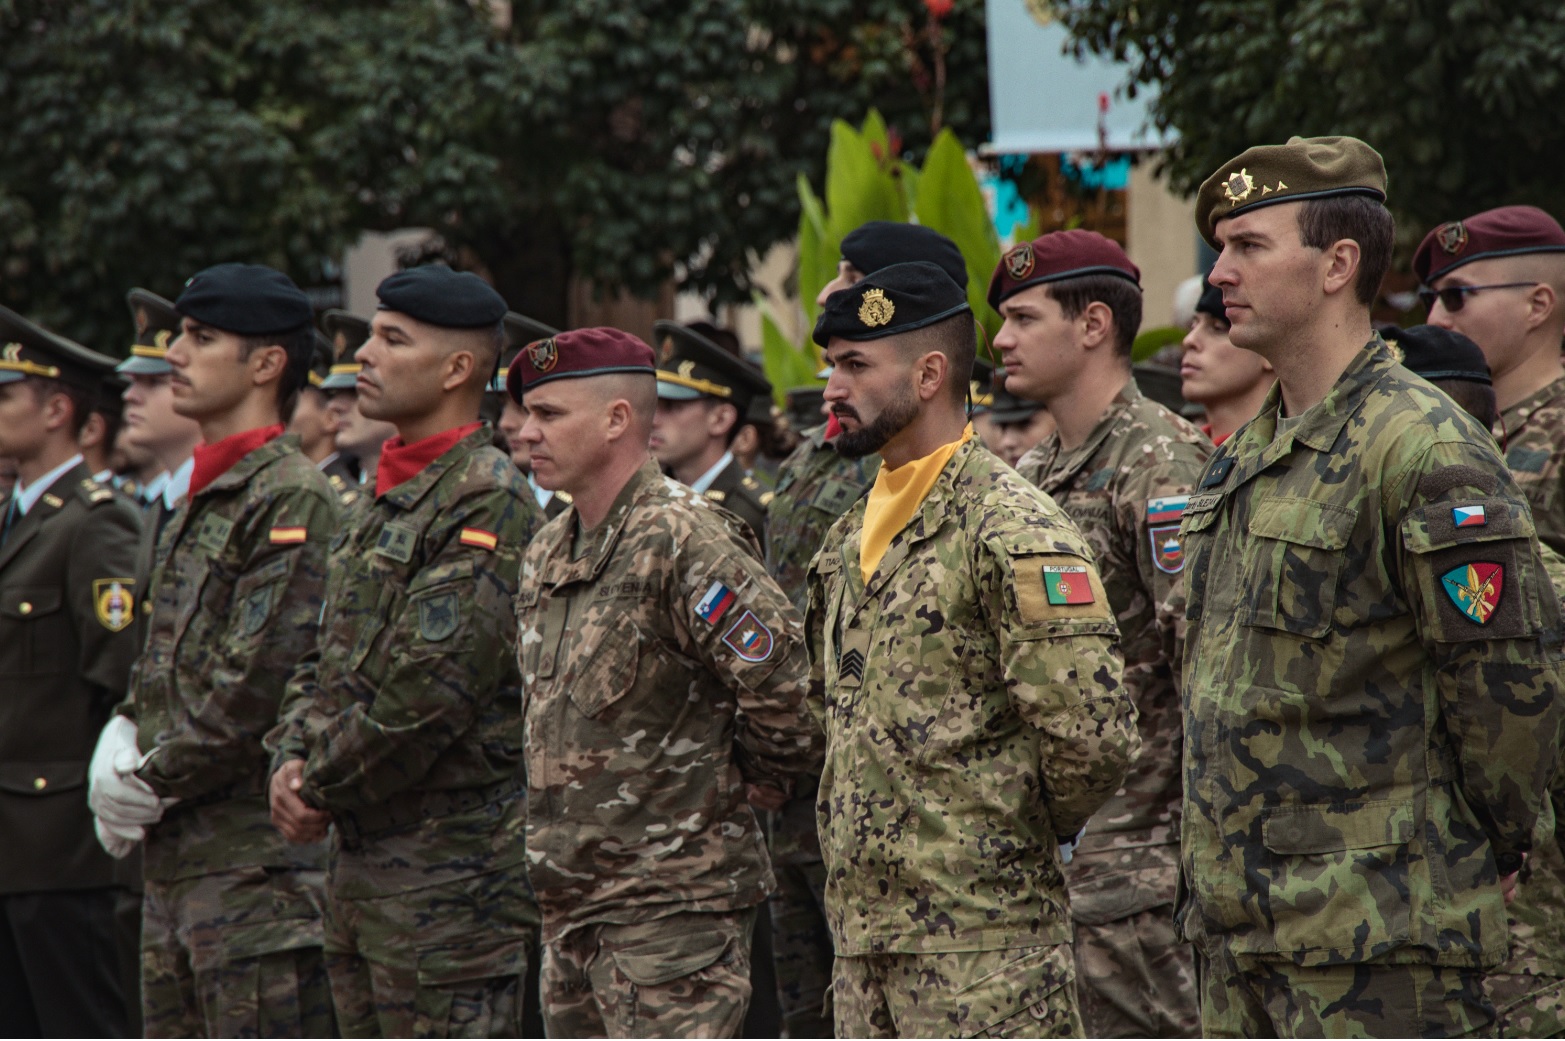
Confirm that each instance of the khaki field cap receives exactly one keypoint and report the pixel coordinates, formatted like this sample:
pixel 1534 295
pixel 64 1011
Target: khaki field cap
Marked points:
pixel 1304 168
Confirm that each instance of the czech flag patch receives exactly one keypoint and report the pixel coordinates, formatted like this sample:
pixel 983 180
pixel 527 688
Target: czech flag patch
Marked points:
pixel 1167 511
pixel 1469 516
pixel 749 639
pixel 287 536
pixel 478 537
pixel 1066 585
pixel 718 599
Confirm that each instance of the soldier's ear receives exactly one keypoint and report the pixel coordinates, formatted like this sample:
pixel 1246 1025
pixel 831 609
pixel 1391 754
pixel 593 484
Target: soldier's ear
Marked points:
pixel 932 372
pixel 460 367
pixel 621 419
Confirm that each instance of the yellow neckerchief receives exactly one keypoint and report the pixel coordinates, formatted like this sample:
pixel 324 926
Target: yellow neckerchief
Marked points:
pixel 896 496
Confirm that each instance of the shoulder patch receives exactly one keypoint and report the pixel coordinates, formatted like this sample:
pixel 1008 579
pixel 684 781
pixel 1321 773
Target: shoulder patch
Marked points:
pixel 718 599
pixel 749 638
pixel 479 537
pixel 289 535
pixel 1476 588
pixel 1058 587
pixel 1167 510
pixel 1168 556
pixel 114 602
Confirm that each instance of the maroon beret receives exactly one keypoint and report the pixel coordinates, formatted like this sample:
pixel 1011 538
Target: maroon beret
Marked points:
pixel 1505 232
pixel 580 352
pixel 1057 255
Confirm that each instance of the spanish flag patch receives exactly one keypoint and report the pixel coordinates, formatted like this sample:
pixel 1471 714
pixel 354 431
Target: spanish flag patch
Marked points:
pixel 288 536
pixel 479 537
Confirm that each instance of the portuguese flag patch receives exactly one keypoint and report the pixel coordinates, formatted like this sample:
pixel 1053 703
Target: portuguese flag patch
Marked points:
pixel 1066 585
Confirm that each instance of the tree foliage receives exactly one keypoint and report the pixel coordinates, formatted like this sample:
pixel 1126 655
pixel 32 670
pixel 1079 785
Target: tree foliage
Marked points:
pixel 1463 98
pixel 626 142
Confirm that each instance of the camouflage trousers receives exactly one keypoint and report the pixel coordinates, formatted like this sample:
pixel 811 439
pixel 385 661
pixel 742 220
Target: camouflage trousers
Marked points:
pixel 685 975
pixel 1135 976
pixel 449 960
pixel 1265 998
pixel 1528 1005
pixel 1029 992
pixel 235 954
pixel 802 942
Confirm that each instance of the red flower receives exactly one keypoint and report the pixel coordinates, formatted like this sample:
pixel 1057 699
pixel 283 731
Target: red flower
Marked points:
pixel 938 9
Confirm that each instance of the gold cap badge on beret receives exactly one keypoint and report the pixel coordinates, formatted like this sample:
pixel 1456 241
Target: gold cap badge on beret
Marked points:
pixel 1452 237
pixel 1302 169
pixel 875 310
pixel 543 355
pixel 1020 261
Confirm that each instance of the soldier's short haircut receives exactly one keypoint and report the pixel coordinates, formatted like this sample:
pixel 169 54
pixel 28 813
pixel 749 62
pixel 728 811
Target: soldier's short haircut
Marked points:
pixel 638 388
pixel 81 401
pixel 955 337
pixel 299 345
pixel 1120 295
pixel 1357 217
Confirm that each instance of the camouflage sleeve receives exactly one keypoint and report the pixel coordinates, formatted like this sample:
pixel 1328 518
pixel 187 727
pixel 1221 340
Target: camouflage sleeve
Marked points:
pixel 1490 620
pixel 272 621
pixel 287 739
pixel 452 638
pixel 1159 491
pixel 815 635
pixel 1060 657
pixel 741 626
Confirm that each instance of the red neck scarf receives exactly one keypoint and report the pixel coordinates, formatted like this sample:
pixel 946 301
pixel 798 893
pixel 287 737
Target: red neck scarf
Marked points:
pixel 213 461
pixel 400 462
pixel 1216 439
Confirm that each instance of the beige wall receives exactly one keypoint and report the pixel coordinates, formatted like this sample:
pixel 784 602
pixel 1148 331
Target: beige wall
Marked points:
pixel 1160 229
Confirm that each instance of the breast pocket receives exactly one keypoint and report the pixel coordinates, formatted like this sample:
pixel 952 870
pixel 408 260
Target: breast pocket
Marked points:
pixel 1294 564
pixel 1198 559
pixel 34 614
pixel 608 675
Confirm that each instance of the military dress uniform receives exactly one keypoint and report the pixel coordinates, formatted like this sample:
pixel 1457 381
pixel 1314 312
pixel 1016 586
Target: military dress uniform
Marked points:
pixel 815 486
pixel 408 719
pixel 974 717
pixel 1529 989
pixel 66 648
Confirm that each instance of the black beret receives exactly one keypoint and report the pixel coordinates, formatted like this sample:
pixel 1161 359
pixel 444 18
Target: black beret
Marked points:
pixel 1211 302
pixel 881 243
pixel 437 295
pixel 1438 354
pixel 893 300
pixel 248 299
pixel 1508 231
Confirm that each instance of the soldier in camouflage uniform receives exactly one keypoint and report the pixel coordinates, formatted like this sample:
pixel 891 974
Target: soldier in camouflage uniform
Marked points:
pixel 231 931
pixel 403 729
pixel 664 675
pixel 973 707
pixel 1499 278
pixel 1371 683
pixel 1122 466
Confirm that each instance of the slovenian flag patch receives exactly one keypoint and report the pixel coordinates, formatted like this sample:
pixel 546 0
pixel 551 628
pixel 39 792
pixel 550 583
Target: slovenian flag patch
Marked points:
pixel 1165 511
pixel 287 536
pixel 479 537
pixel 718 599
pixel 1469 516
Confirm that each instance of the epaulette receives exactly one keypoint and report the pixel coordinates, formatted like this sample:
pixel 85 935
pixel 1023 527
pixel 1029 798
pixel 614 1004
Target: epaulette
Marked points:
pixel 94 492
pixel 337 483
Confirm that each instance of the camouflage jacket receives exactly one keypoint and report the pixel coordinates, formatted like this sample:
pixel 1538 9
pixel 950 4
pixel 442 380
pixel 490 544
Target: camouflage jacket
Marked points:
pixel 408 712
pixel 974 714
pixel 236 599
pixel 815 486
pixel 1125 487
pixel 663 669
pixel 1371 685
pixel 1534 433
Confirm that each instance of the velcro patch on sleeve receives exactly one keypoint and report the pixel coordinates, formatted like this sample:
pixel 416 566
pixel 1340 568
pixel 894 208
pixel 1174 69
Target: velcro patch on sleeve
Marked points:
pixel 1056 587
pixel 288 536
pixel 715 603
pixel 1167 510
pixel 749 638
pixel 114 602
pixel 479 537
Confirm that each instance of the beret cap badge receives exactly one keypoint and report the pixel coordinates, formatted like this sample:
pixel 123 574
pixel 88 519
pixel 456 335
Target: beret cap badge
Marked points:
pixel 876 310
pixel 1452 237
pixel 1238 187
pixel 544 355
pixel 1020 260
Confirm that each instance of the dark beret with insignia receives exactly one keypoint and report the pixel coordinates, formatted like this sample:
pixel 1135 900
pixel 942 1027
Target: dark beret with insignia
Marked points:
pixel 247 299
pixel 157 324
pixel 598 351
pixel 1057 255
pixel 347 333
pixel 1438 354
pixel 691 365
pixel 1211 302
pixel 893 300
pixel 519 332
pixel 27 350
pixel 436 295
pixel 1304 168
pixel 881 243
pixel 1508 231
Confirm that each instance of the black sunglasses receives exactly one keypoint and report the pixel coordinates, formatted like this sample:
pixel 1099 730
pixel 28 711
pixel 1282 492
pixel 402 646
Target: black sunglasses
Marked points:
pixel 1453 297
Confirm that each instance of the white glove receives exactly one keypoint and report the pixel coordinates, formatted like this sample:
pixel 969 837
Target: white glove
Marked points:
pixel 1068 847
pixel 117 840
pixel 114 792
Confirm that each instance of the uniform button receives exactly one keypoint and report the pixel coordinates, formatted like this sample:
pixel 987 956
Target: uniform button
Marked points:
pixel 40 783
pixel 25 607
pixel 146 605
